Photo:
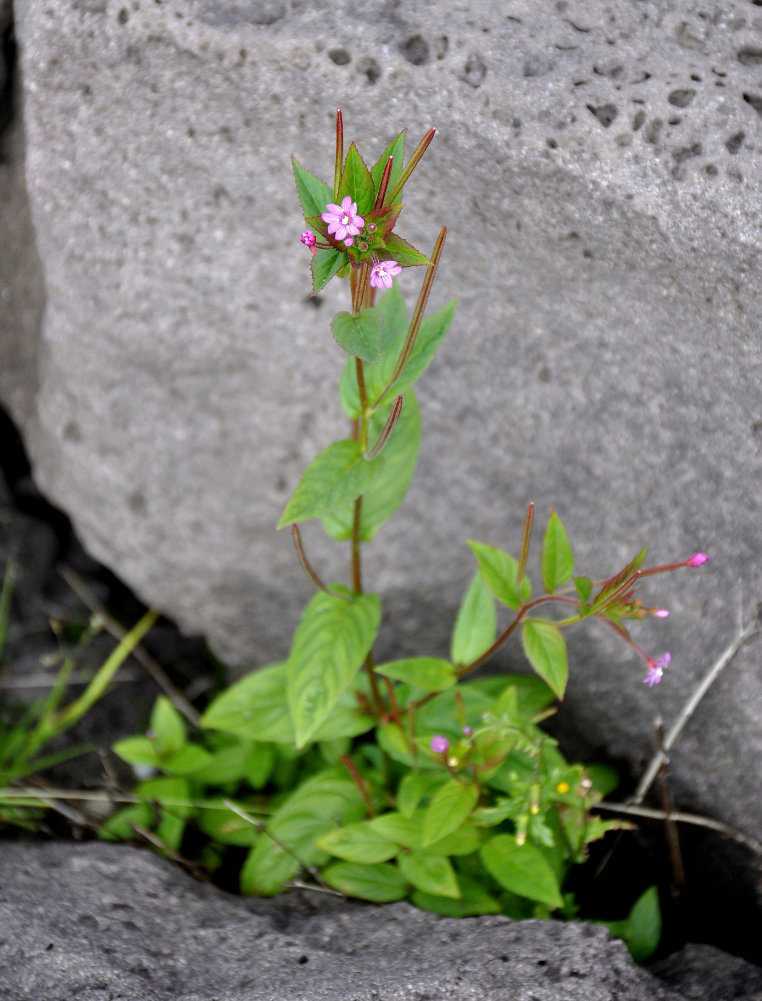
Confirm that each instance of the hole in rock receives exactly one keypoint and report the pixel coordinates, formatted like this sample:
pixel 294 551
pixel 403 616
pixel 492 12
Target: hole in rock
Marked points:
pixel 755 100
pixel 339 56
pixel 416 50
pixel 735 142
pixel 681 98
pixel 605 113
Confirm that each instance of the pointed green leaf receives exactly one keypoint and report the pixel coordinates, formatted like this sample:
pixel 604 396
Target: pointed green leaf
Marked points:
pixel 396 148
pixel 584 588
pixel 137 751
pixel 254 707
pixel 267 868
pixel 557 560
pixel 448 809
pixel 404 831
pixel 357 182
pixel 411 790
pixel 404 253
pixel 429 873
pixel 610 586
pixel 334 478
pixel 430 673
pixel 381 883
pixel 314 194
pixel 641 929
pixel 227 827
pixel 499 571
pixel 545 648
pixel 388 489
pixel 359 335
pixel 187 760
pixel 475 625
pixel 326 263
pixel 167 727
pixel 331 642
pixel 522 869
pixel 392 305
pixel 358 843
pixel 474 900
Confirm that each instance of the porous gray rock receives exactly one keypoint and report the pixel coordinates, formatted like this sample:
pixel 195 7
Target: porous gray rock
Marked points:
pixel 102 921
pixel 600 174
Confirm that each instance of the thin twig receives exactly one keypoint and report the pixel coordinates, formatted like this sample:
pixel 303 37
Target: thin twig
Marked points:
pixel 141 655
pixel 689 708
pixel 670 827
pixel 694 819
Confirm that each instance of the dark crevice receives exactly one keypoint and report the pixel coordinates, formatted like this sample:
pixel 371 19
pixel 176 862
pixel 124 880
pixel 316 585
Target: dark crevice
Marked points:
pixel 8 60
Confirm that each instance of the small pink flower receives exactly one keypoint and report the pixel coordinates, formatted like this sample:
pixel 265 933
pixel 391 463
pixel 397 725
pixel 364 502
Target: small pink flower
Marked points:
pixel 309 239
pixel 660 613
pixel 381 274
pixel 697 560
pixel 349 241
pixel 656 670
pixel 343 220
pixel 439 744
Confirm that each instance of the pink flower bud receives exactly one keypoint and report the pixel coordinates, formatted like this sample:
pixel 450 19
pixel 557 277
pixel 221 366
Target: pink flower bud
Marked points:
pixel 439 744
pixel 309 240
pixel 697 560
pixel 660 613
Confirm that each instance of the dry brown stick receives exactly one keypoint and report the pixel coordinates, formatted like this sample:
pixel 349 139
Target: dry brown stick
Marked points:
pixel 141 655
pixel 689 708
pixel 651 813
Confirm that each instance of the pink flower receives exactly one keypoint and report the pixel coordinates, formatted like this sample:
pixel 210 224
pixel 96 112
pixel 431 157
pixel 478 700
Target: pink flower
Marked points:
pixel 381 274
pixel 343 220
pixel 660 613
pixel 656 670
pixel 697 560
pixel 439 744
pixel 309 239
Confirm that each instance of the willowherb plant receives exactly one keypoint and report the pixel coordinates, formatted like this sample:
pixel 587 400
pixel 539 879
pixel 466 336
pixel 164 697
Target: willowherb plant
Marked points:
pixel 401 778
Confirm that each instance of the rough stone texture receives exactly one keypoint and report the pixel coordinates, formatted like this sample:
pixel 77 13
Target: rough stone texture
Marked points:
pixel 599 170
pixel 99 921
pixel 695 966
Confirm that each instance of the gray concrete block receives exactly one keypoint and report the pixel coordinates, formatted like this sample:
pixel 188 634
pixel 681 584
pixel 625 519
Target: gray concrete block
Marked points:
pixel 599 171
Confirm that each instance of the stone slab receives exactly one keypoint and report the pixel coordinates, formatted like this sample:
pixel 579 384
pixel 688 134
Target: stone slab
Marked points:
pixel 102 921
pixel 599 170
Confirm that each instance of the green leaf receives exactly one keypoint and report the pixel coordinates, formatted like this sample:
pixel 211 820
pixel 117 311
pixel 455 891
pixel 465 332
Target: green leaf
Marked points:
pixel 522 869
pixel 254 707
pixel 326 263
pixel 430 673
pixel 388 489
pixel 430 336
pixel 499 572
pixel 168 727
pixel 358 843
pixel 403 252
pixel 331 642
pixel 187 760
pixel 381 883
pixel 227 827
pixel 410 792
pixel 615 582
pixel 474 900
pixel 314 194
pixel 392 305
pixel 429 873
pixel 337 476
pixel 545 648
pixel 475 625
pixel 359 335
pixel 641 929
pixel 267 868
pixel 557 561
pixel 448 810
pixel 137 751
pixel 407 832
pixel 356 181
pixel 584 588
pixel 396 148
